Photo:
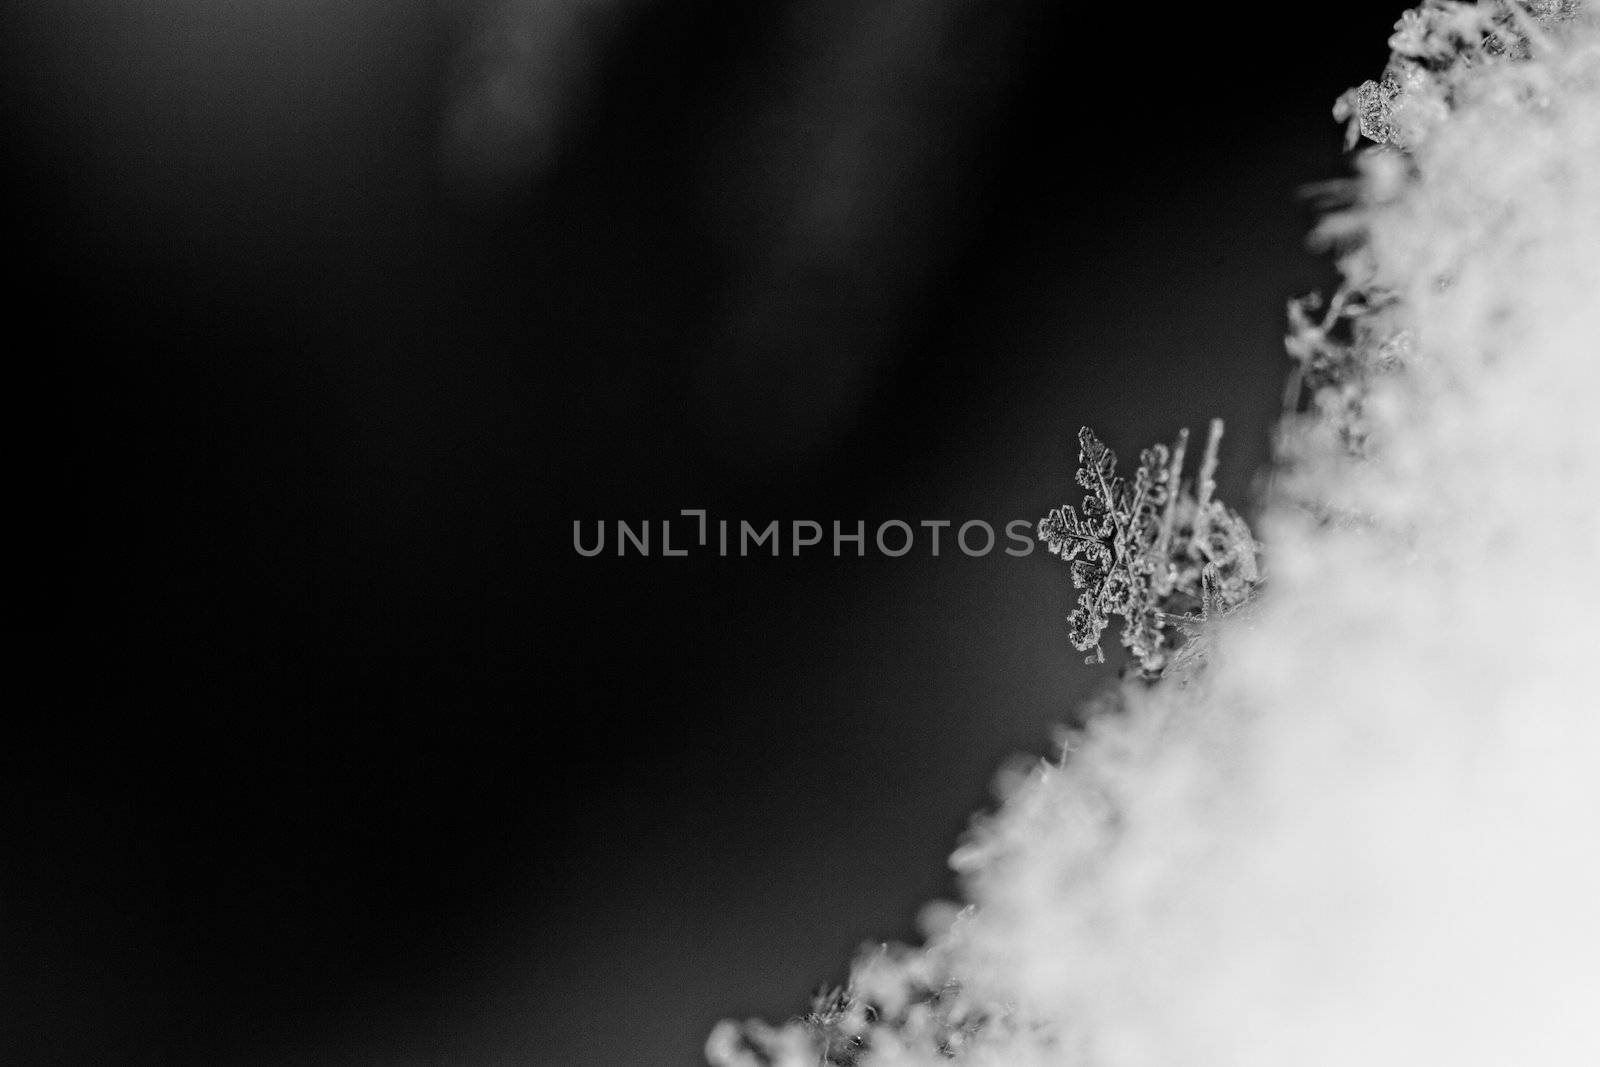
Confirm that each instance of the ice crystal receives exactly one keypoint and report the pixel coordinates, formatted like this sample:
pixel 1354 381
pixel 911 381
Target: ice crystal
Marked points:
pixel 1436 50
pixel 1161 553
pixel 1369 108
pixel 1341 348
pixel 899 1002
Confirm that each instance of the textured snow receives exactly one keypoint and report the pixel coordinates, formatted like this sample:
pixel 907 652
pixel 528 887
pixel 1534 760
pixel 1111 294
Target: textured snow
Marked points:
pixel 1366 832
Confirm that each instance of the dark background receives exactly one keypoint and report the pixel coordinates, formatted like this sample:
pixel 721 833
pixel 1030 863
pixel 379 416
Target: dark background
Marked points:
pixel 339 753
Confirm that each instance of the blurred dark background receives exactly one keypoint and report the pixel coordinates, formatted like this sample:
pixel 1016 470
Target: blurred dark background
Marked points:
pixel 343 313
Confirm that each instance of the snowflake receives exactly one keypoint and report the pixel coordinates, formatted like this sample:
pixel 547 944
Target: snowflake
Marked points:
pixel 1161 553
pixel 891 1004
pixel 1369 110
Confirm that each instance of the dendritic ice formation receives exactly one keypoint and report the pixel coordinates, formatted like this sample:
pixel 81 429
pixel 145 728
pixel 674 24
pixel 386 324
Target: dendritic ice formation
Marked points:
pixel 1363 829
pixel 1165 555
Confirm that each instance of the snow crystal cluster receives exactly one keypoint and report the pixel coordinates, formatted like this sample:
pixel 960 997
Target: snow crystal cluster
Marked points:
pixel 1366 830
pixel 1154 550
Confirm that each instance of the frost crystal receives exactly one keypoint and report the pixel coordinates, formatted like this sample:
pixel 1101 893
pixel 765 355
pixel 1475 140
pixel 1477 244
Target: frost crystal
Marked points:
pixel 899 1003
pixel 1368 109
pixel 1162 554
pixel 1438 48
